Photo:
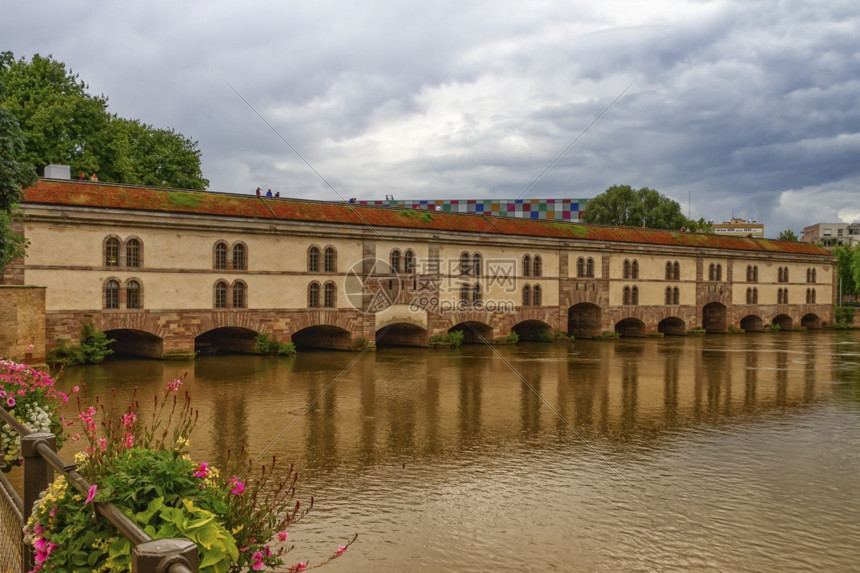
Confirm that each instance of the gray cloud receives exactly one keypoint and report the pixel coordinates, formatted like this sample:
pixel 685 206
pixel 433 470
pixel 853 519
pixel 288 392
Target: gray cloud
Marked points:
pixel 745 109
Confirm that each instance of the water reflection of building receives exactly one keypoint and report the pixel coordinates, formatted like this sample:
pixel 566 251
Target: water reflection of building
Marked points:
pixel 398 407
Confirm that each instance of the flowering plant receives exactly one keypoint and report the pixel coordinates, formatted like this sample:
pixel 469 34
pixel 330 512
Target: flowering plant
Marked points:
pixel 29 395
pixel 145 470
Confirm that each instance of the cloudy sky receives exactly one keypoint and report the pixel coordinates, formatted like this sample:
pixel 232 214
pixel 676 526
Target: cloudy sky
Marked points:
pixel 748 109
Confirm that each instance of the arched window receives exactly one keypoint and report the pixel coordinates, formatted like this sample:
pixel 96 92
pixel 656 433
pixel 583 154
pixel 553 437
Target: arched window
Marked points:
pixel 626 297
pixel 813 280
pixel 676 270
pixel 132 294
pixel 240 295
pixel 755 273
pixel 668 270
pixel 749 277
pixel 527 295
pixel 537 295
pixel 464 294
pixel 668 295
pixel 527 265
pixel 589 268
pixel 755 295
pixel 580 267
pixel 634 269
pixel 112 252
pixel 476 295
pixel 409 261
pixel 465 263
pixel 314 260
pixel 220 255
pixel 330 260
pixel 626 272
pixel 220 294
pixel 719 272
pixel 329 300
pixel 785 277
pixel 676 296
pixel 132 253
pixel 749 293
pixel 394 260
pixel 634 295
pixel 240 262
pixel 112 294
pixel 314 295
pixel 812 292
pixel 537 265
pixel 477 264
pixel 711 272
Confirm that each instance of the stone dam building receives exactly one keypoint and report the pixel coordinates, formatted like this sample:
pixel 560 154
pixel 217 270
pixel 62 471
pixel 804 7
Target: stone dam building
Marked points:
pixel 170 272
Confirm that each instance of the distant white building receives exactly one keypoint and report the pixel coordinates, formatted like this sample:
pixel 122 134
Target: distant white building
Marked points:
pixel 739 228
pixel 829 235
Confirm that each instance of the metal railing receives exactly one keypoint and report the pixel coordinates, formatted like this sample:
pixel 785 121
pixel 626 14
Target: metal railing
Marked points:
pixel 39 452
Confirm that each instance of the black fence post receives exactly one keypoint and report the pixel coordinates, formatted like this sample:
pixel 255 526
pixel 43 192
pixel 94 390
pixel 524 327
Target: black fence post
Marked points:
pixel 38 474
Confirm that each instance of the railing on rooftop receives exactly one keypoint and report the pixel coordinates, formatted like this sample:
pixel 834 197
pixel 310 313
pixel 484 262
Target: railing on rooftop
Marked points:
pixel 40 461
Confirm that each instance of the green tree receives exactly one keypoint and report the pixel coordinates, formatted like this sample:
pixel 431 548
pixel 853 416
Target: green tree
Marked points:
pixel 62 123
pixel 787 235
pixel 15 174
pixel 848 261
pixel 622 205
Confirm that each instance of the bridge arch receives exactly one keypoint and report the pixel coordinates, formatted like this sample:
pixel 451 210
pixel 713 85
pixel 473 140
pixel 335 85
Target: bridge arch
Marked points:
pixel 324 336
pixel 630 328
pixel 226 340
pixel 133 342
pixel 533 330
pixel 714 317
pixel 672 325
pixel 783 321
pixel 401 334
pixel 474 332
pixel 752 323
pixel 811 321
pixel 583 319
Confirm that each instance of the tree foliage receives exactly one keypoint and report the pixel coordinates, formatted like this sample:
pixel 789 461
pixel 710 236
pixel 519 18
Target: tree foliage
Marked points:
pixel 62 123
pixel 15 174
pixel 622 205
pixel 848 260
pixel 787 235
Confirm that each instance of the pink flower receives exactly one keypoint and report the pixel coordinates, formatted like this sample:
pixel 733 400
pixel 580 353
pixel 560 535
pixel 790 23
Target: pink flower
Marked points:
pixel 75 389
pixel 10 401
pixel 341 549
pixel 103 444
pixel 173 386
pixel 92 493
pixel 203 471
pixel 282 535
pixel 298 567
pixel 128 419
pixel 128 440
pixel 258 560
pixel 238 487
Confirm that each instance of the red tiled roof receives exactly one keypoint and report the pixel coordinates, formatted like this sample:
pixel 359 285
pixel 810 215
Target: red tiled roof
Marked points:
pixel 112 196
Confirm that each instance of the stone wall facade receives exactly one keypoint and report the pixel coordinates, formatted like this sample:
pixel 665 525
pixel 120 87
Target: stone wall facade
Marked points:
pixel 22 323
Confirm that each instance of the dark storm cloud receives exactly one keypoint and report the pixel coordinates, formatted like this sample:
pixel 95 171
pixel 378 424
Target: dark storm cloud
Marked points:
pixel 745 109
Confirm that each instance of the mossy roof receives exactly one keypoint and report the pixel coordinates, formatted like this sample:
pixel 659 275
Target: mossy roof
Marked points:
pixel 112 196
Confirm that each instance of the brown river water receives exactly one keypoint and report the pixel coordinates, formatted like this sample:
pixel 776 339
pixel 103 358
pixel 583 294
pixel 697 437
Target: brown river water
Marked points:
pixel 709 453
